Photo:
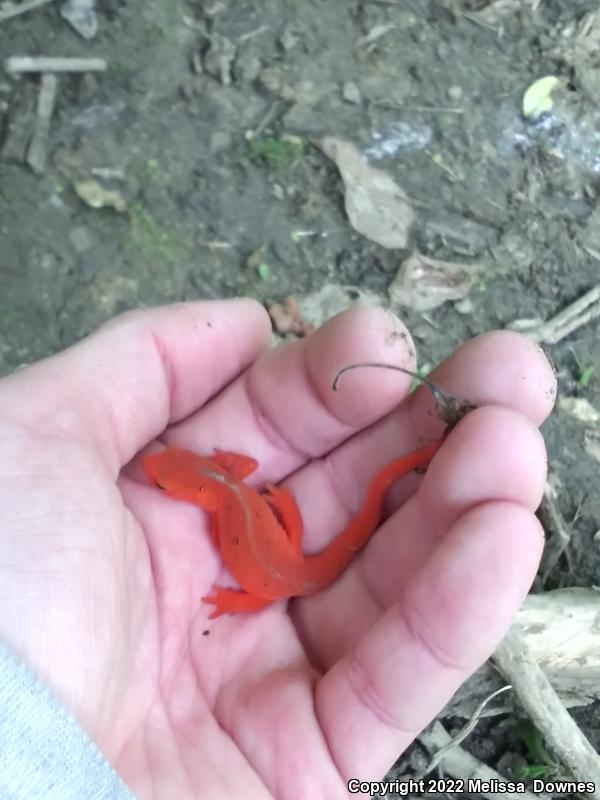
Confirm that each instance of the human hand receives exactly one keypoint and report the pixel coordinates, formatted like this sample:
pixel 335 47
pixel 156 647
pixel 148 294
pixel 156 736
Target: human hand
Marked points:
pixel 101 576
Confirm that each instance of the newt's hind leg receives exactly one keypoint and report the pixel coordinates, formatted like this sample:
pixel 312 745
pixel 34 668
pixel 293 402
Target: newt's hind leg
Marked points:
pixel 285 508
pixel 232 601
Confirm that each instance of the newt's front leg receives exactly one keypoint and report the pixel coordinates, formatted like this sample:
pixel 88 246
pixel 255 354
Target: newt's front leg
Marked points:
pixel 231 601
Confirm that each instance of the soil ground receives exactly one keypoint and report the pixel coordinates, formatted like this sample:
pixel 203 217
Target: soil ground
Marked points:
pixel 188 130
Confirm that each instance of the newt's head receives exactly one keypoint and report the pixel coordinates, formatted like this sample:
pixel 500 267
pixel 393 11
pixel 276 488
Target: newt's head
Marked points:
pixel 181 473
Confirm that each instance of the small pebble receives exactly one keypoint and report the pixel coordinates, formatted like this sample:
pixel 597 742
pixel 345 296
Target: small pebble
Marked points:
pixel 351 93
pixel 247 68
pixel 288 39
pixel 80 239
pixel 220 140
pixel 464 306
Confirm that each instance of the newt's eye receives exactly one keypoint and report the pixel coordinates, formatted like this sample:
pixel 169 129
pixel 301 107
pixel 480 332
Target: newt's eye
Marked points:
pixel 160 486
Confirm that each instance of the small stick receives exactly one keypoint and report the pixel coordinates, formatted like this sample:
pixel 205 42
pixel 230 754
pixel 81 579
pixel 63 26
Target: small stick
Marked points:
pixel 452 408
pixel 462 734
pixel 268 118
pixel 564 738
pixel 36 155
pixel 434 109
pixel 568 320
pixel 460 764
pixel 12 10
pixel 251 34
pixel 17 64
pixel 555 525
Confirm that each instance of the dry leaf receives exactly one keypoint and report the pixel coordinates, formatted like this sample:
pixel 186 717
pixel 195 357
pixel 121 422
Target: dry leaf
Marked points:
pixel 375 204
pixel 97 196
pixel 580 408
pixel 425 283
pixel 537 99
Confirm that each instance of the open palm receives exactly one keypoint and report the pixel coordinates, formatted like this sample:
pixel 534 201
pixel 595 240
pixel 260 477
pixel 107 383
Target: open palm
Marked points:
pixel 101 575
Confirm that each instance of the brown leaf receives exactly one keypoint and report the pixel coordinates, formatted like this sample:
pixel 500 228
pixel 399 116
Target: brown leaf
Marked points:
pixel 286 318
pixel 424 283
pixel 375 204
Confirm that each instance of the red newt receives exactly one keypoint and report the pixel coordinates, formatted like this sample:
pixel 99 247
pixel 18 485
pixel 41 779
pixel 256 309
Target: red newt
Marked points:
pixel 259 536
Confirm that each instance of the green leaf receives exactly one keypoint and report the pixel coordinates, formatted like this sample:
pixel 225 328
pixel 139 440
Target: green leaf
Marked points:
pixel 585 376
pixel 531 771
pixel 263 271
pixel 537 99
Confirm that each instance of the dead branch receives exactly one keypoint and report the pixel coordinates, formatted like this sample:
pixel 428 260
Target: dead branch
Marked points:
pixel 18 64
pixel 564 738
pixel 460 764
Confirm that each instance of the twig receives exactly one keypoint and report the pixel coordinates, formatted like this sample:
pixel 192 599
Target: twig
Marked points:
pixel 374 34
pixel 383 103
pixel 16 64
pixel 452 409
pixel 460 764
pixel 568 320
pixel 36 155
pixel 564 738
pixel 477 21
pixel 11 10
pixel 245 36
pixel 215 244
pixel 555 525
pixel 267 119
pixel 462 734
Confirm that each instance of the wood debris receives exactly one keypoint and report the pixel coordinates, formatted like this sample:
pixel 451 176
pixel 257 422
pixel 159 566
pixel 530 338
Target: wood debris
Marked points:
pixel 579 408
pixel 374 34
pixel 546 621
pixel 219 58
pixel 574 316
pixel 36 154
pixel 18 64
pixel 560 731
pixel 9 10
pixel 460 764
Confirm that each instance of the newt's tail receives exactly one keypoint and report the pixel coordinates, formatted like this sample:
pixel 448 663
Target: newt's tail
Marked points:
pixel 324 568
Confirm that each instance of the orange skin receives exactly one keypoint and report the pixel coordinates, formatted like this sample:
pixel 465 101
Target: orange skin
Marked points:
pixel 259 535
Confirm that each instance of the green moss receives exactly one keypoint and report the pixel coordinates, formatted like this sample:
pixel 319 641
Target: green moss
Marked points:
pixel 583 372
pixel 540 763
pixel 278 154
pixel 151 240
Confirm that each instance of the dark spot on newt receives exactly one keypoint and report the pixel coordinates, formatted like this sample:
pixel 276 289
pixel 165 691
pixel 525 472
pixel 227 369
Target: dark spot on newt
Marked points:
pixel 235 540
